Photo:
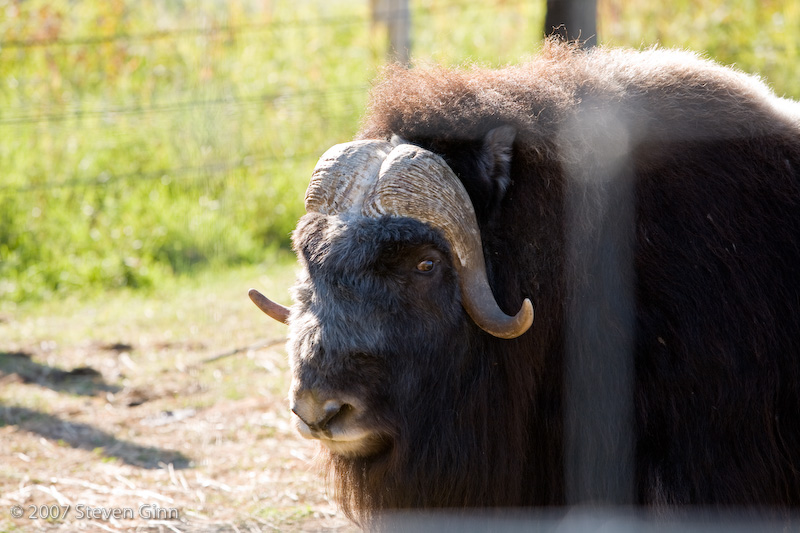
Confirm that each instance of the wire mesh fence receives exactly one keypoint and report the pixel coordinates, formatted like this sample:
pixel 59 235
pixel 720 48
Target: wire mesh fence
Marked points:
pixel 151 124
pixel 47 97
pixel 145 114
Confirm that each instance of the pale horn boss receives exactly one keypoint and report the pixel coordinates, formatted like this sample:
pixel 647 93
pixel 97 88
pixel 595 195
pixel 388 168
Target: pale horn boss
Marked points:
pixel 375 178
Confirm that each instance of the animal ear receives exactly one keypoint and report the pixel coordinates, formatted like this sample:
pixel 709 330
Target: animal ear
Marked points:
pixel 483 165
pixel 495 161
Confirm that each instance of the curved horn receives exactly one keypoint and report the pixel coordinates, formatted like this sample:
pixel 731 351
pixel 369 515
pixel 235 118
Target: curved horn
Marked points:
pixel 274 310
pixel 340 180
pixel 343 176
pixel 417 183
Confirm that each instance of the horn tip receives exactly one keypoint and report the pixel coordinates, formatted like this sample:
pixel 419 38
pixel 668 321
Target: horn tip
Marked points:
pixel 527 314
pixel 256 297
pixel 523 320
pixel 272 309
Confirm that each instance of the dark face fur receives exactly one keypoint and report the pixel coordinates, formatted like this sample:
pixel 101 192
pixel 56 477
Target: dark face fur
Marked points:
pixel 377 320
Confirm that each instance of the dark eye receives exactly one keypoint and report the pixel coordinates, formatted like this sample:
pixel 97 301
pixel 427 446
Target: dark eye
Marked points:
pixel 426 265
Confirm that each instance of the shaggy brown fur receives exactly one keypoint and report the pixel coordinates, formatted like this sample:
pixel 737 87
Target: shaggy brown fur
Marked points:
pixel 705 258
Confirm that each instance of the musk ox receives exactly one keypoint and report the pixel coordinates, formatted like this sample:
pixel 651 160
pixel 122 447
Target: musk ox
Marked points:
pixel 646 204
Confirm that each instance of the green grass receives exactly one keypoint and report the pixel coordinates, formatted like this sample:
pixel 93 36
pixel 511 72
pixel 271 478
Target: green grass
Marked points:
pixel 187 144
pixel 184 379
pixel 756 36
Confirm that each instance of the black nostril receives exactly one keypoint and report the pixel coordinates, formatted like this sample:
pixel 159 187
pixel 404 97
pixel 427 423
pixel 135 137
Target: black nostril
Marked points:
pixel 324 416
pixel 331 410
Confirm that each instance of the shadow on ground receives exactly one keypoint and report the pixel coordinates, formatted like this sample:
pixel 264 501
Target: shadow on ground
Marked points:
pixel 87 437
pixel 83 381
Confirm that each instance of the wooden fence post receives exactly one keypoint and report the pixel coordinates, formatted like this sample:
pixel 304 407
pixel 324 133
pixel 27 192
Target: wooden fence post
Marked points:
pixel 396 15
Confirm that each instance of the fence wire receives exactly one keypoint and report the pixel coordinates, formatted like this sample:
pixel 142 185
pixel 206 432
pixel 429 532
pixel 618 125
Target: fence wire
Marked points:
pixel 50 117
pixel 172 107
pixel 274 25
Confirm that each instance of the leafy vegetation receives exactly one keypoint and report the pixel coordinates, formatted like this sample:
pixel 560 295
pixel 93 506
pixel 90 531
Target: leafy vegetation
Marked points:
pixel 754 36
pixel 144 140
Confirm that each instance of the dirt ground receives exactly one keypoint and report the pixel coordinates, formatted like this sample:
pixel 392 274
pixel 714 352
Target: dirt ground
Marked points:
pixel 159 412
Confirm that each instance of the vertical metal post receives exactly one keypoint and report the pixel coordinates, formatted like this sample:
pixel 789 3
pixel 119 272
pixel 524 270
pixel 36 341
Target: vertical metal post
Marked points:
pixel 572 20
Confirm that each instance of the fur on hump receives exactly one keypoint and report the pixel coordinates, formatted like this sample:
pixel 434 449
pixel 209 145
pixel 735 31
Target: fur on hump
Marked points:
pixel 658 86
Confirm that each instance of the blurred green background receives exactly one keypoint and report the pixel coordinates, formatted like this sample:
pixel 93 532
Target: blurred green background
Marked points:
pixel 146 140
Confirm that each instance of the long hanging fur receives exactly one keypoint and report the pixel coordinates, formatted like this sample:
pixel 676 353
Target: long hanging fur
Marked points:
pixel 707 161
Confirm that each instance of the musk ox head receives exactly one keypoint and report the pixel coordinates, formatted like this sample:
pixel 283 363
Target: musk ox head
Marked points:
pixel 391 260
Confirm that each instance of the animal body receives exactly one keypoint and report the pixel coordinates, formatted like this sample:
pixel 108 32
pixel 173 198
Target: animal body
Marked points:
pixel 646 203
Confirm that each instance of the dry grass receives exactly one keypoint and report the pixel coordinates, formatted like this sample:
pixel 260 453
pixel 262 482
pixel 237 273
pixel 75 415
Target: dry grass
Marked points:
pixel 175 401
